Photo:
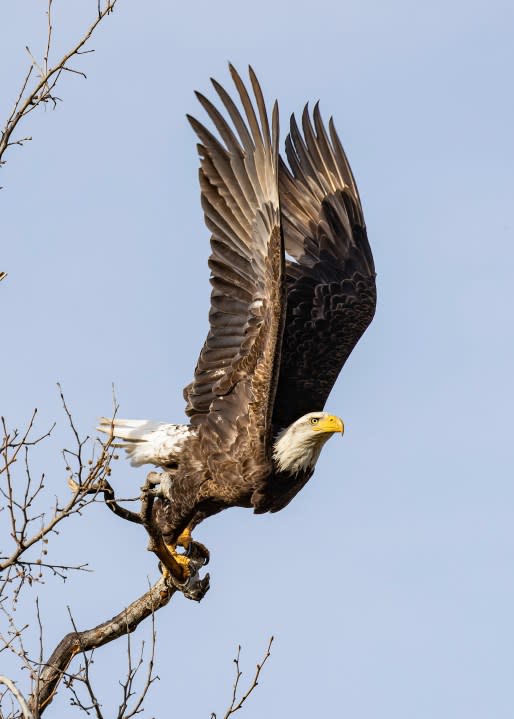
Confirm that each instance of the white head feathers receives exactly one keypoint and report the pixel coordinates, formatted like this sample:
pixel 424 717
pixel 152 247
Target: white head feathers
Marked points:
pixel 298 447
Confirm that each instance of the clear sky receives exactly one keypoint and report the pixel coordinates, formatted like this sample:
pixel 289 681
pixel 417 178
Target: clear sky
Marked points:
pixel 389 581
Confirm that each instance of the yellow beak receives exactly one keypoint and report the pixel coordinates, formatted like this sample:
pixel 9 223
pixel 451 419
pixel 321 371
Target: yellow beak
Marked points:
pixel 330 424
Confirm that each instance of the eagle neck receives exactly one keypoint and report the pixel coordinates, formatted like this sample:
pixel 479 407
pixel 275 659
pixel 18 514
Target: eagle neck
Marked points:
pixel 295 452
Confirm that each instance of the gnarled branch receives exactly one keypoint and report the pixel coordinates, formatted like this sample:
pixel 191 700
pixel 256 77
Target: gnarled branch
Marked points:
pixel 75 642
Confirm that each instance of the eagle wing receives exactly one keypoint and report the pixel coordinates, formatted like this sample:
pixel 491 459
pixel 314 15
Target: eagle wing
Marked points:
pixel 331 292
pixel 231 396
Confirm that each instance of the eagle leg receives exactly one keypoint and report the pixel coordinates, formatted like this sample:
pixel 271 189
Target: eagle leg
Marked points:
pixel 182 567
pixel 185 538
pixel 183 570
pixel 171 561
pixel 178 563
pixel 197 553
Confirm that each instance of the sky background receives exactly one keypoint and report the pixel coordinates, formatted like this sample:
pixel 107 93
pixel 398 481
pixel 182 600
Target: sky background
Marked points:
pixel 389 581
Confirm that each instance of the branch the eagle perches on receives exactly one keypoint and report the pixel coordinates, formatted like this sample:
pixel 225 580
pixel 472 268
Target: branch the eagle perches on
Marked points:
pixel 193 587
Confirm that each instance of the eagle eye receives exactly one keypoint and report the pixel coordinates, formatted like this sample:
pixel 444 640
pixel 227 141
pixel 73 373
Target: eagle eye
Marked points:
pixel 314 420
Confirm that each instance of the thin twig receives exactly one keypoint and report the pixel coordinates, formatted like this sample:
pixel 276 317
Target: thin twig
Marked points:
pixel 149 679
pixel 235 704
pixel 48 75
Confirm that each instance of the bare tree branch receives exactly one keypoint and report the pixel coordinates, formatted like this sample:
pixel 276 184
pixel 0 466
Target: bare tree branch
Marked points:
pixel 47 74
pixel 75 642
pixel 105 488
pixel 29 528
pixel 236 704
pixel 88 482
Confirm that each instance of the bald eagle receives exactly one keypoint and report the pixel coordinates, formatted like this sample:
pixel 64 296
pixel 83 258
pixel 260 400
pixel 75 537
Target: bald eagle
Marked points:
pixel 293 290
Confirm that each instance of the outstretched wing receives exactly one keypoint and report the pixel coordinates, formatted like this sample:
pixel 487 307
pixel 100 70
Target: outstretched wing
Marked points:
pixel 331 293
pixel 231 396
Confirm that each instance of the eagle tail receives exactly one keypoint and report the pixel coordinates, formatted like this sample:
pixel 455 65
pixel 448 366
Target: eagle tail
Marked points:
pixel 147 441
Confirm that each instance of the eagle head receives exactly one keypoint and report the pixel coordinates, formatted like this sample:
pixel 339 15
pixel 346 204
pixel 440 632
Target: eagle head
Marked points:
pixel 297 447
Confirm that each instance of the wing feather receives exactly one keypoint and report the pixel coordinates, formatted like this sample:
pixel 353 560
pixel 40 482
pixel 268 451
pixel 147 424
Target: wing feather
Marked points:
pixel 331 293
pixel 231 396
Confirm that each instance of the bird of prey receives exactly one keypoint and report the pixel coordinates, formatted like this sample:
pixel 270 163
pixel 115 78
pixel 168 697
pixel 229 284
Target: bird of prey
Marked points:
pixel 293 290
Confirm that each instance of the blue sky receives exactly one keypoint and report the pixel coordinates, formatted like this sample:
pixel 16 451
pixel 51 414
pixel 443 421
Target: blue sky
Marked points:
pixel 388 583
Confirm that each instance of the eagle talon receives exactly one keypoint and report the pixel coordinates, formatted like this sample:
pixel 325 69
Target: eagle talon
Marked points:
pixel 198 554
pixel 193 587
pixel 196 588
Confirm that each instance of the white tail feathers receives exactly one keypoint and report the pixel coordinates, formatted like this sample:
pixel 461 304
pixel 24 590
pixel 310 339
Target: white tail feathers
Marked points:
pixel 147 441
